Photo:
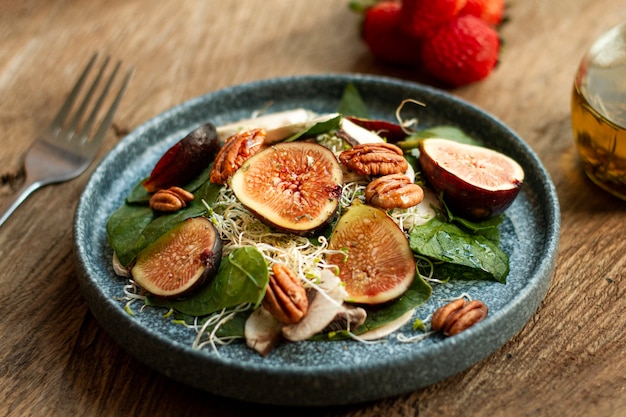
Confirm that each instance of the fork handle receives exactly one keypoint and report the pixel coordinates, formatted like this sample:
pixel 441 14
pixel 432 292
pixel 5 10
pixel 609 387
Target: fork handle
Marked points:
pixel 18 198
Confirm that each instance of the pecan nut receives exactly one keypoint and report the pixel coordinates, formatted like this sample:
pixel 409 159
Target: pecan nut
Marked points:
pixel 234 153
pixel 393 191
pixel 457 316
pixel 374 159
pixel 170 199
pixel 285 297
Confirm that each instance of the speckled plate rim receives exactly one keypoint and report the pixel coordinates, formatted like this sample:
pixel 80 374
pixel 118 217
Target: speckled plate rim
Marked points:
pixel 311 374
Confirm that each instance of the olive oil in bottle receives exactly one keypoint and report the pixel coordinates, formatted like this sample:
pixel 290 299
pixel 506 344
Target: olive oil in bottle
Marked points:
pixel 599 111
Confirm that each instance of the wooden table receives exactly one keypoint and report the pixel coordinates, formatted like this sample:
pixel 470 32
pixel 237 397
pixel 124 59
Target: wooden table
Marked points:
pixel 54 357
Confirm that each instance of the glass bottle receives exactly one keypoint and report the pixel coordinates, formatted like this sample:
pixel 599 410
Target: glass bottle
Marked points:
pixel 599 111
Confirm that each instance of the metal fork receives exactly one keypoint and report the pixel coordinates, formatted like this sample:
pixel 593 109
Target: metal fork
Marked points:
pixel 65 149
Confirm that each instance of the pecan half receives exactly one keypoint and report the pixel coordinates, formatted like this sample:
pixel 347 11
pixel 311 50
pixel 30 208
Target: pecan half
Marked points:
pixel 393 191
pixel 170 199
pixel 235 151
pixel 374 159
pixel 285 297
pixel 457 316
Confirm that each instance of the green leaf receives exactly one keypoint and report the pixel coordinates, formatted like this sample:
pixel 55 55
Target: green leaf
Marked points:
pixel 317 129
pixel 442 131
pixel 352 103
pixel 487 227
pixel 448 132
pixel 234 327
pixel 417 294
pixel 139 194
pixel 241 278
pixel 449 243
pixel 124 229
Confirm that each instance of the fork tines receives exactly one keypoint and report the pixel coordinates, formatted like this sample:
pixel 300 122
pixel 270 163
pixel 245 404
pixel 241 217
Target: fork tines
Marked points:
pixel 72 128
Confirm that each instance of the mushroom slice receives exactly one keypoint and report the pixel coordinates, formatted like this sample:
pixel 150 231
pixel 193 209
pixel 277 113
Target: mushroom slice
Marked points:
pixel 268 121
pixel 262 331
pixel 323 309
pixel 387 328
pixel 355 134
pixel 350 318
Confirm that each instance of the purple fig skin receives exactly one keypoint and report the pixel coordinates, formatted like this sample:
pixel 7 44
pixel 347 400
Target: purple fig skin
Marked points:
pixel 471 200
pixel 185 160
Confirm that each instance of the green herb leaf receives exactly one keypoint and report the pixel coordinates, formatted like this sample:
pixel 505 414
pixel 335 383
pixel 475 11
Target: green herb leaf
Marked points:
pixel 241 278
pixel 443 131
pixel 139 194
pixel 417 294
pixel 487 227
pixel 317 129
pixel 352 103
pixel 449 243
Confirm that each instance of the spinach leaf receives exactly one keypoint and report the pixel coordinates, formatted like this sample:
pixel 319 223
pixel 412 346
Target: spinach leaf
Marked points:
pixel 241 278
pixel 139 194
pixel 487 227
pixel 317 129
pixel 442 131
pixel 124 227
pixel 448 243
pixel 352 104
pixel 417 294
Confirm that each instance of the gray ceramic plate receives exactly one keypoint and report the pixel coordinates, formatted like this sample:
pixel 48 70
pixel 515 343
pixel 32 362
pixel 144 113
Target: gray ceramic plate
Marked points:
pixel 319 373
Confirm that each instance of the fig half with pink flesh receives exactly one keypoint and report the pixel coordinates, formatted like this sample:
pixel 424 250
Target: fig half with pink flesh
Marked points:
pixel 373 255
pixel 293 187
pixel 181 260
pixel 476 182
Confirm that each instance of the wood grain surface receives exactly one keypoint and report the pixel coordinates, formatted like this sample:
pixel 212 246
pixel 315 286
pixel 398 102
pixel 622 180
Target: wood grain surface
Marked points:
pixel 55 359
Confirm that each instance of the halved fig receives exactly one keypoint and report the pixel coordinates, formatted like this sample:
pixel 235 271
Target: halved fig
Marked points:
pixel 185 160
pixel 181 260
pixel 292 187
pixel 378 265
pixel 476 182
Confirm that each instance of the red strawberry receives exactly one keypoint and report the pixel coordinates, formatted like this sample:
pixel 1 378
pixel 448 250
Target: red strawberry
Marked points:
pixel 419 17
pixel 383 37
pixel 491 11
pixel 461 51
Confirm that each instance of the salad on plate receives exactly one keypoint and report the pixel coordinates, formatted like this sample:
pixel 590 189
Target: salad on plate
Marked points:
pixel 295 226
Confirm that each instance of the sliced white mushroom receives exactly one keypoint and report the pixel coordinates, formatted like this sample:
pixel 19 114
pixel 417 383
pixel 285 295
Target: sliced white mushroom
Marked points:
pixel 355 134
pixel 387 328
pixel 118 268
pixel 268 122
pixel 350 317
pixel 262 331
pixel 323 309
